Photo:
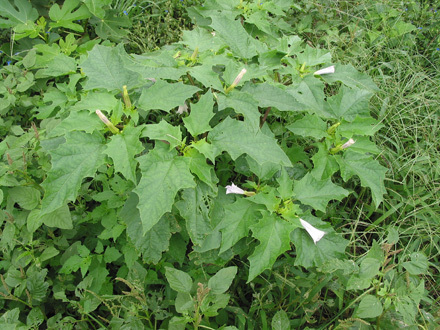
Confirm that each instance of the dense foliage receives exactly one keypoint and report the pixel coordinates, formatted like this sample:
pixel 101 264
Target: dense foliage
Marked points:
pixel 159 178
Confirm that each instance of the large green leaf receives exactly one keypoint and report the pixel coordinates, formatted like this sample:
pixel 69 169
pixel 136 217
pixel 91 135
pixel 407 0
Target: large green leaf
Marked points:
pixel 238 217
pixel 349 103
pixel 273 96
pixel 24 13
pixel 105 69
pixel 309 125
pixel 113 26
pixel 163 175
pixel 325 164
pixel 243 103
pixel 309 254
pixel 64 16
pixel 178 280
pixel 201 113
pixel 201 39
pixel 60 218
pixel 237 138
pixel 96 7
pixel 194 210
pixel 72 161
pixel 221 281
pixel 123 148
pixel 166 96
pixel 274 236
pixel 310 93
pixel 371 173
pixel 369 307
pixel 235 36
pixel 153 243
pixel 351 77
pixel 200 167
pixel 317 193
pixel 165 132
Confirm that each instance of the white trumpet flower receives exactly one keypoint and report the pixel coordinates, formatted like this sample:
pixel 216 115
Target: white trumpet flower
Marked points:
pixel 233 189
pixel 314 233
pixel 330 69
pixel 348 144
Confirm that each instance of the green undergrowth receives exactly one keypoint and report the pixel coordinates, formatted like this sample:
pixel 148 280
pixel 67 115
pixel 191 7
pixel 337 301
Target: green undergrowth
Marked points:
pixel 167 165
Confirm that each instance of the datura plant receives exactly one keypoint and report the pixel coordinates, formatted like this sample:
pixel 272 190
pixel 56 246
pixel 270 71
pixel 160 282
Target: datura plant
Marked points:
pixel 233 141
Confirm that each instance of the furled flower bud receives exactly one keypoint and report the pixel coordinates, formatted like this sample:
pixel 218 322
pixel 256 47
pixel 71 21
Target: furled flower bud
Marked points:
pixel 182 108
pixel 330 69
pixel 348 144
pixel 233 189
pixel 236 80
pixel 107 122
pixel 314 233
pixel 126 97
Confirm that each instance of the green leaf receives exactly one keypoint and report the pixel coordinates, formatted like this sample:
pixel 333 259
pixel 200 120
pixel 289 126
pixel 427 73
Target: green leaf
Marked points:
pixel 165 96
pixel 72 161
pixel 349 103
pixel 27 197
pixel 199 166
pixel 201 114
pixel 23 15
pixel 313 56
pixel 310 93
pixel 178 280
pixel 369 307
pixel 418 264
pixel 242 103
pixel 49 253
pixel 369 268
pixel 317 193
pixel 205 148
pixel 309 125
pixel 325 164
pixel 59 218
pixel 97 7
pixel 64 17
pixel 273 96
pixel 153 243
pixel 77 121
pixel 105 69
pixel 371 173
pixel 274 236
pixel 111 254
pixel 285 188
pixel 163 175
pixel 330 246
pixel 112 26
pixel 194 210
pixel 123 148
pixel 236 222
pixel 206 76
pixel 37 285
pixel 351 77
pixel 165 132
pixel 237 138
pixel 267 197
pixel 280 321
pixel 60 65
pixel 201 39
pixel 221 281
pixel 92 101
pixel 359 126
pixel 234 35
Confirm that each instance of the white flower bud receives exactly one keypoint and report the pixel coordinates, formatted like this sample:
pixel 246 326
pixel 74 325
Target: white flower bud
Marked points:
pixel 330 69
pixel 314 233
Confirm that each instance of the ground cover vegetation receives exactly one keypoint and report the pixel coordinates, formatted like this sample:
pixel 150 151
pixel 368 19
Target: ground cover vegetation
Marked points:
pixel 219 164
